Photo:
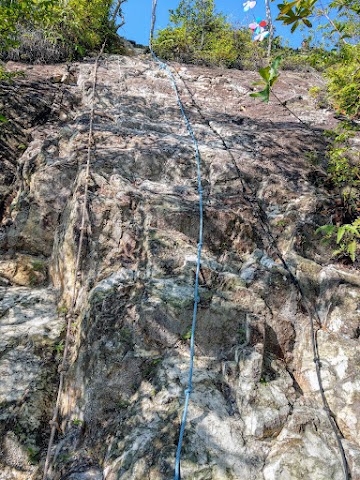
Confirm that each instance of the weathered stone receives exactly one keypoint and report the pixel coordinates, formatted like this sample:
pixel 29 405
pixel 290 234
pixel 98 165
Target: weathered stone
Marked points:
pixel 255 409
pixel 24 270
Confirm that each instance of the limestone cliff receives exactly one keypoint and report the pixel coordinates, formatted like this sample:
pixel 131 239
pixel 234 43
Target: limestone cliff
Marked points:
pixel 255 412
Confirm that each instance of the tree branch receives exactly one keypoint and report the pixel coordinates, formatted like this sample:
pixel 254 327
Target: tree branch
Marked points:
pixel 118 12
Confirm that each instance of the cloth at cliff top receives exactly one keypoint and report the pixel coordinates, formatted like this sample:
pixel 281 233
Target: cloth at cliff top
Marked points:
pixel 249 4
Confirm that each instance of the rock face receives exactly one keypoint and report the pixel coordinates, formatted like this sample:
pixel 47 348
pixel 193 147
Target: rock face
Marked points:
pixel 255 411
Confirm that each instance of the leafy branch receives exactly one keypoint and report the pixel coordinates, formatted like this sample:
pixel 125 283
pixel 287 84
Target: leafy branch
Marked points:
pixel 269 75
pixel 296 12
pixel 347 236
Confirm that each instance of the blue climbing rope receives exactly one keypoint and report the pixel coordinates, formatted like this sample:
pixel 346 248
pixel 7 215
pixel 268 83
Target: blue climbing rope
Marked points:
pixel 164 66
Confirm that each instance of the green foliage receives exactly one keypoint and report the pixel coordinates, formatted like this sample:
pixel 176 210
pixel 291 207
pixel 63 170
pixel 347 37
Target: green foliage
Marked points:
pixel 77 422
pixel 10 15
pixel 198 34
pixel 220 49
pixel 269 75
pixel 346 237
pixel 62 310
pixel 318 58
pixel 344 82
pixel 37 265
pixel 321 96
pixel 33 455
pixel 296 12
pixel 73 26
pixel 343 158
pixel 342 62
pixel 344 175
pixel 85 21
pixel 299 12
pixel 123 404
pixel 59 347
pixel 186 335
pixel 342 171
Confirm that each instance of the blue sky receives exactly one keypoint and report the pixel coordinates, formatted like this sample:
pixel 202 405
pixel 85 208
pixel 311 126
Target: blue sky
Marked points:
pixel 138 15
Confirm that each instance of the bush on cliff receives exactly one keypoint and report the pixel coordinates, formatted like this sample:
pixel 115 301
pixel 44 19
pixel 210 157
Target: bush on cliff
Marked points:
pixel 198 34
pixel 50 30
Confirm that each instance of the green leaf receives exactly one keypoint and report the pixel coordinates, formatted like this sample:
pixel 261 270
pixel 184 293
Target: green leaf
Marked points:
pixel 352 229
pixel 307 22
pixel 3 119
pixel 265 73
pixel 264 95
pixel 273 80
pixel 351 249
pixel 325 229
pixel 186 335
pixel 276 63
pixel 339 251
pixel 285 7
pixel 340 234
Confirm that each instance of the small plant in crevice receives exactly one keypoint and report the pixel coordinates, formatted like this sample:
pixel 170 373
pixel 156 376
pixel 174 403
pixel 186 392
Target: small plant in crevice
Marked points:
pixel 346 237
pixel 64 457
pixel 149 368
pixel 123 404
pixel 186 335
pixel 38 265
pixel 282 223
pixel 263 381
pixel 59 347
pixel 77 422
pixel 33 455
pixel 62 310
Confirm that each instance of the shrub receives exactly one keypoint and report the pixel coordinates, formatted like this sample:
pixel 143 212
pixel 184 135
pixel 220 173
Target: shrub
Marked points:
pixel 344 175
pixel 344 82
pixel 220 49
pixel 50 30
pixel 197 34
pixel 34 47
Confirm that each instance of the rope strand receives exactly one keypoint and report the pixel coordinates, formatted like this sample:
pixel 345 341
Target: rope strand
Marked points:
pixel 310 309
pixel 63 366
pixel 164 66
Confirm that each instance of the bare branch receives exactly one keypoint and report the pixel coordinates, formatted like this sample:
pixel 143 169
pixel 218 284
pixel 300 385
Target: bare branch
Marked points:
pixel 118 13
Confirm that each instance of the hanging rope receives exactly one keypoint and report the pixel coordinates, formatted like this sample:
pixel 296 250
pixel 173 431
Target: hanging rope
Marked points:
pixel 70 315
pixel 313 314
pixel 310 309
pixel 164 66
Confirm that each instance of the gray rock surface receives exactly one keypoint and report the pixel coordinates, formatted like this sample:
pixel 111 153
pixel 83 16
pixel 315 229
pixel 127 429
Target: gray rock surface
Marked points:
pixel 255 411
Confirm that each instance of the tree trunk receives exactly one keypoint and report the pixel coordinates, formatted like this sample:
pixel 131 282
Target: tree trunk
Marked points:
pixel 270 25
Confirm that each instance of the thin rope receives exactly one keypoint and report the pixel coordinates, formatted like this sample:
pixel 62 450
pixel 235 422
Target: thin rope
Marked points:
pixel 164 66
pixel 63 366
pixel 311 311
